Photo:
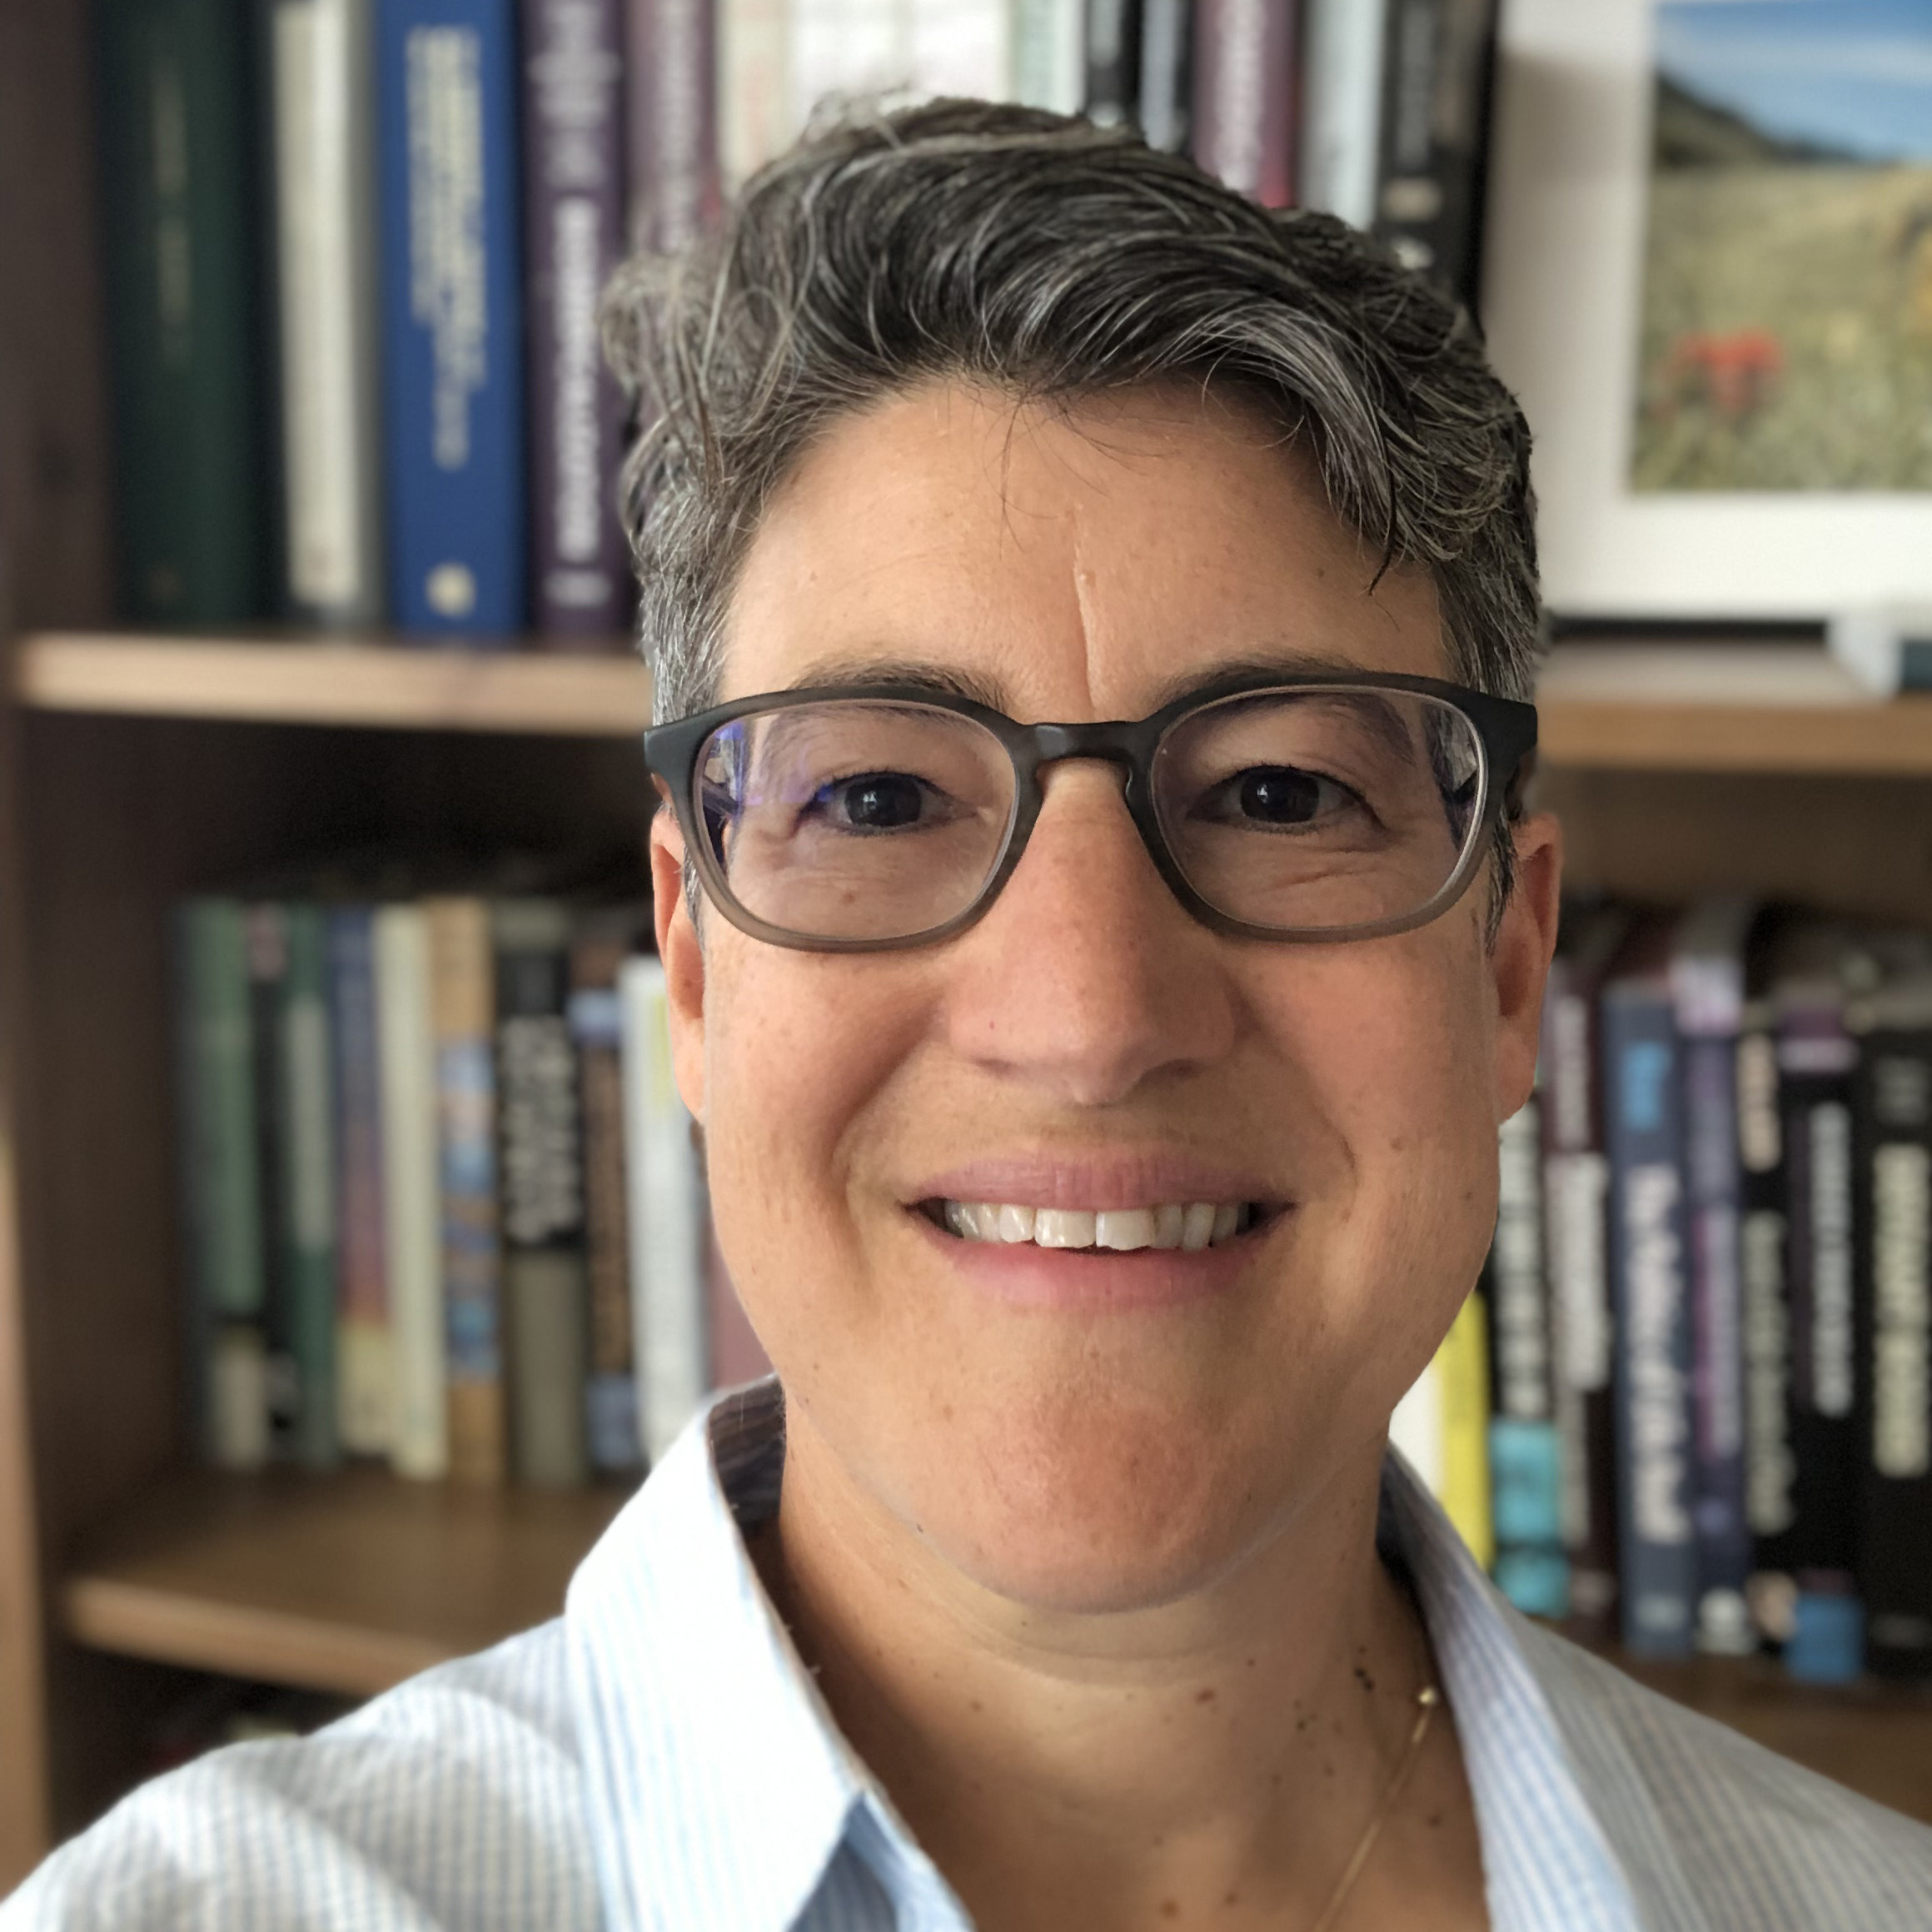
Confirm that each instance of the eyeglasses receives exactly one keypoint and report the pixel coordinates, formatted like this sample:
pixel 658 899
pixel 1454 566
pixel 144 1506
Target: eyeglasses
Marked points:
pixel 867 817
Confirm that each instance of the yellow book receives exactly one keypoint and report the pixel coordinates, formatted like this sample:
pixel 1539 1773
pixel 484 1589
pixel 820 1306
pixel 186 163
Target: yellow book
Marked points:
pixel 1462 1366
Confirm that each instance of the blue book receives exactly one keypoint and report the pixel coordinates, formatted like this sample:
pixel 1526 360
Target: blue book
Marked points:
pixel 1643 1136
pixel 446 85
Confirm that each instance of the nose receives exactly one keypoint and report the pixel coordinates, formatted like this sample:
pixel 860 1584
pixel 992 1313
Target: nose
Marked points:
pixel 1087 976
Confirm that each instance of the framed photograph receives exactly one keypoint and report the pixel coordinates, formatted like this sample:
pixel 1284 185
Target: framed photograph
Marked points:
pixel 1709 278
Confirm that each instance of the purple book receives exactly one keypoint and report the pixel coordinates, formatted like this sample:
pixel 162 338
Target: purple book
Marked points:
pixel 573 189
pixel 1244 125
pixel 675 188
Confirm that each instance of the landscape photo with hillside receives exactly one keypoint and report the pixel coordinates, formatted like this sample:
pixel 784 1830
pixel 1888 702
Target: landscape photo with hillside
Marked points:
pixel 1786 326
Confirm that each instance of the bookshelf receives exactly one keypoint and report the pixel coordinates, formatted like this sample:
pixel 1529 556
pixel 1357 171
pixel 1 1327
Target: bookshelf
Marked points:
pixel 133 767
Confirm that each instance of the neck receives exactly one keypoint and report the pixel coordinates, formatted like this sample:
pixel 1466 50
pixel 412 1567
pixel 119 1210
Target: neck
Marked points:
pixel 1224 1749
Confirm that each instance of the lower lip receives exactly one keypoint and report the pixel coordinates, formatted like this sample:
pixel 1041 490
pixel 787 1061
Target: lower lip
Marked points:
pixel 1092 1278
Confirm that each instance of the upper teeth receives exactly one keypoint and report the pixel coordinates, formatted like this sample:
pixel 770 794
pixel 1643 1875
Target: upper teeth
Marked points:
pixel 1190 1225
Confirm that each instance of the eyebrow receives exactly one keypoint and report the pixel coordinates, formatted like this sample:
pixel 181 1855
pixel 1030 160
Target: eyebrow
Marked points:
pixel 950 681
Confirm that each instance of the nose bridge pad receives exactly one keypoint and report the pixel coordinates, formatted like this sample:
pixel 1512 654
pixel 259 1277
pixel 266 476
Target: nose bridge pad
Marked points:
pixel 1122 760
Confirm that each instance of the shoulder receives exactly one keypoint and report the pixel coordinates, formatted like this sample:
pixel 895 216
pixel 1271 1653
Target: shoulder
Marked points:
pixel 1704 1820
pixel 453 1800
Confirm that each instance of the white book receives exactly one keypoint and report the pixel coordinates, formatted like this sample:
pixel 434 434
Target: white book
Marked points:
pixel 757 117
pixel 836 48
pixel 1342 107
pixel 962 49
pixel 1415 1428
pixel 1049 55
pixel 412 1189
pixel 666 1230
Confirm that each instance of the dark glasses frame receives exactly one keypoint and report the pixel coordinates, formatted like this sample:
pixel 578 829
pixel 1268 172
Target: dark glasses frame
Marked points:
pixel 1506 730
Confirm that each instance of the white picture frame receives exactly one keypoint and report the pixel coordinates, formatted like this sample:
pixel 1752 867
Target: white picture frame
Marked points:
pixel 1561 303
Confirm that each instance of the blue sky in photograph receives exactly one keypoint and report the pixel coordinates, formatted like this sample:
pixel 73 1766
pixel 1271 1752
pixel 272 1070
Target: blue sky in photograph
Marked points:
pixel 1851 74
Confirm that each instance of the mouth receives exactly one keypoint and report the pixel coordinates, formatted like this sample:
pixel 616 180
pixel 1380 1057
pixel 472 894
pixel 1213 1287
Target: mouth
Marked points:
pixel 1186 1227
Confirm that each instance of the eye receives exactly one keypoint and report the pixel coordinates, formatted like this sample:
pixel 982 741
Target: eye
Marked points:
pixel 1268 796
pixel 874 801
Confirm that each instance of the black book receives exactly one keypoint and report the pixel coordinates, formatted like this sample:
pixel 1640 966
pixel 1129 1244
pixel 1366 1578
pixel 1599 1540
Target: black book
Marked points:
pixel 1113 38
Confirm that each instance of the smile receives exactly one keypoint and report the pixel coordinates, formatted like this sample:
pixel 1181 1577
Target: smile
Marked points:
pixel 1188 1226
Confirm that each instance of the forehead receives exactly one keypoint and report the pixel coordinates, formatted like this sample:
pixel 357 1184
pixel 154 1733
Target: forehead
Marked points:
pixel 1068 561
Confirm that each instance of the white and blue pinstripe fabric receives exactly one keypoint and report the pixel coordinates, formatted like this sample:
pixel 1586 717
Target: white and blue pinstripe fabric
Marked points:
pixel 658 1760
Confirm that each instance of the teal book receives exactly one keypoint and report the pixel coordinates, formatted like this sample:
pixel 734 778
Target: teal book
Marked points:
pixel 181 263
pixel 308 1189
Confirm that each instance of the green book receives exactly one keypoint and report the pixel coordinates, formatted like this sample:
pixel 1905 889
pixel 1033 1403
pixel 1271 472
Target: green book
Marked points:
pixel 308 1189
pixel 181 229
pixel 219 1191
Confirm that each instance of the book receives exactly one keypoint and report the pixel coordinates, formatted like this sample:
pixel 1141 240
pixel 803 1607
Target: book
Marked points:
pixel 452 335
pixel 268 944
pixel 182 261
pixel 544 1290
pixel 1707 984
pixel 308 1182
pixel 1643 1134
pixel 603 942
pixel 222 1204
pixel 755 107
pixel 1433 148
pixel 1048 55
pixel 1532 1569
pixel 462 995
pixel 411 1191
pixel 1112 40
pixel 1894 1165
pixel 962 49
pixel 365 1354
pixel 675 189
pixel 667 1251
pixel 1244 125
pixel 1576 1231
pixel 1342 107
pixel 1166 75
pixel 844 49
pixel 574 185
pixel 1441 1426
pixel 320 141
pixel 1817 1079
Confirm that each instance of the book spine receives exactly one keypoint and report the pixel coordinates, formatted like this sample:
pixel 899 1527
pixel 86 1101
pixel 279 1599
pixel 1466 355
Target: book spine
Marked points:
pixel 1048 58
pixel 1245 96
pixel 675 191
pixel 573 182
pixel 218 1160
pixel 308 1232
pixel 1415 1427
pixel 667 1262
pixel 1113 40
pixel 1525 1452
pixel 838 49
pixel 1769 1497
pixel 1166 86
pixel 320 145
pixel 267 935
pixel 451 313
pixel 544 1287
pixel 963 48
pixel 1724 1542
pixel 1434 135
pixel 1895 1573
pixel 411 1189
pixel 754 87
pixel 182 270
pixel 1817 1066
pixel 596 1027
pixel 1576 1208
pixel 365 1361
pixel 1652 1320
pixel 1342 95
pixel 463 1003
pixel 1468 1496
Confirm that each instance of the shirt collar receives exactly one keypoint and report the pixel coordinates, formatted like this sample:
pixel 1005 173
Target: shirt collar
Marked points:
pixel 720 1789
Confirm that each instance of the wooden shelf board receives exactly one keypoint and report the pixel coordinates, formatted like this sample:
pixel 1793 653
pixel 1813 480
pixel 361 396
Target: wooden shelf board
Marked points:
pixel 347 1583
pixel 309 680
pixel 1725 708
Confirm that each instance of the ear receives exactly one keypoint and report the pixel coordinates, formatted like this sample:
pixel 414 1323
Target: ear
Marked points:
pixel 1519 959
pixel 684 959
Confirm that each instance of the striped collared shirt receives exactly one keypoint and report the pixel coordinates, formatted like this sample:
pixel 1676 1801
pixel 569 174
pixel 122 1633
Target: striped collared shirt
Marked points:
pixel 658 1760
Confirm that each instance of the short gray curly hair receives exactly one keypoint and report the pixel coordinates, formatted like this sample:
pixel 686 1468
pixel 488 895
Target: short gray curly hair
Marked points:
pixel 1046 257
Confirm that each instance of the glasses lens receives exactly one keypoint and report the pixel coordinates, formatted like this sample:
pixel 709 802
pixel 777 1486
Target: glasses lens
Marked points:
pixel 855 819
pixel 1322 810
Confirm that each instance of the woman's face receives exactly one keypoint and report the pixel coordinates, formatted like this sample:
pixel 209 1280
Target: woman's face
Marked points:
pixel 1076 1429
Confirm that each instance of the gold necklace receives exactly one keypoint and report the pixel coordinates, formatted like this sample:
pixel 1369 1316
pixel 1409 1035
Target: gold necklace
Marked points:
pixel 1426 1699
